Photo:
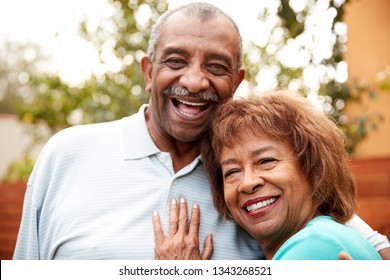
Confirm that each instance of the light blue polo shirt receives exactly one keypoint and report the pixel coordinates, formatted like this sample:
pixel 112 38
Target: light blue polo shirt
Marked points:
pixel 94 189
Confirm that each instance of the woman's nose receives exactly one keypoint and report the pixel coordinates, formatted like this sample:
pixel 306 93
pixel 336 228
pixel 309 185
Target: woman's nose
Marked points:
pixel 251 182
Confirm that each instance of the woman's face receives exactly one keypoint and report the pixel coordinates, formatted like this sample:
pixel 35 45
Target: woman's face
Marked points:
pixel 265 189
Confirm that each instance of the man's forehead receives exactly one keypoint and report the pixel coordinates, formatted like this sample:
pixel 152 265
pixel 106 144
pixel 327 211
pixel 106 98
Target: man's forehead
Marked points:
pixel 215 36
pixel 216 29
pixel 181 18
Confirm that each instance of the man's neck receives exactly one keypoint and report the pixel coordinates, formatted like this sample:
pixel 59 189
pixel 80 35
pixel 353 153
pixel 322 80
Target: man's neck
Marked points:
pixel 183 155
pixel 182 152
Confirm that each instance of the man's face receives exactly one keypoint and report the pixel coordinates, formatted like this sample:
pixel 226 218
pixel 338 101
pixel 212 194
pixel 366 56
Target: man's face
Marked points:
pixel 193 57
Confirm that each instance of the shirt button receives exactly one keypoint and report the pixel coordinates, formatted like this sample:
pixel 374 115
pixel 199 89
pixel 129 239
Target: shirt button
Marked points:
pixel 161 158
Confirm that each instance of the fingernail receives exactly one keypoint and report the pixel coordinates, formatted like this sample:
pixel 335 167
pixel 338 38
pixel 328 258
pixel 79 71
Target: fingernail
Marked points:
pixel 155 213
pixel 173 201
pixel 195 206
pixel 182 200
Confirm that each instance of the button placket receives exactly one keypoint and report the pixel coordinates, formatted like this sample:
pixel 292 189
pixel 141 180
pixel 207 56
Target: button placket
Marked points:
pixel 162 158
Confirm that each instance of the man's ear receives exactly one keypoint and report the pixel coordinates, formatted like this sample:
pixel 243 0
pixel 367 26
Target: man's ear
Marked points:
pixel 147 67
pixel 240 78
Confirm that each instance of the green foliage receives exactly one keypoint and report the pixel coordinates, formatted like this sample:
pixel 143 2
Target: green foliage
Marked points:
pixel 16 64
pixel 42 97
pixel 293 27
pixel 104 97
pixel 19 170
pixel 290 20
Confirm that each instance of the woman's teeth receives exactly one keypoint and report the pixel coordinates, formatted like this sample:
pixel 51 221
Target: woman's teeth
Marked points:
pixel 260 204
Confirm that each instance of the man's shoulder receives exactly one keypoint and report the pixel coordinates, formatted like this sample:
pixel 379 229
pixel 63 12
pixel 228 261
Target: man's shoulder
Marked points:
pixel 86 132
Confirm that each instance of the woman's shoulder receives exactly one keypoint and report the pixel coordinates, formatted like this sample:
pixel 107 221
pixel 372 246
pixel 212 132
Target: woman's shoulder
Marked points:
pixel 323 239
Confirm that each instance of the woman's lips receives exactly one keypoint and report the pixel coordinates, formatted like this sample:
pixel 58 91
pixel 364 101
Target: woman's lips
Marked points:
pixel 257 206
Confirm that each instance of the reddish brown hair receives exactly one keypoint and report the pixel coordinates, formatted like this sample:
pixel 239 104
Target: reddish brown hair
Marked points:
pixel 313 137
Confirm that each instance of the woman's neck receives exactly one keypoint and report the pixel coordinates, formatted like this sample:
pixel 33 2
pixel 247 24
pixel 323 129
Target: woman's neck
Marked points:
pixel 272 244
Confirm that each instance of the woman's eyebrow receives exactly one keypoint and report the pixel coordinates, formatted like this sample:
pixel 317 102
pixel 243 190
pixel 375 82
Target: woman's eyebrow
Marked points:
pixel 252 153
pixel 261 150
pixel 228 161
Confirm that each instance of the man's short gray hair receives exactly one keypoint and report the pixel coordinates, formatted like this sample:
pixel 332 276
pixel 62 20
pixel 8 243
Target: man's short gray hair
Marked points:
pixel 204 12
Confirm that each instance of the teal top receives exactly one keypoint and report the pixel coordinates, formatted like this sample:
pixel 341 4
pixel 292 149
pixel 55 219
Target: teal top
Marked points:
pixel 323 239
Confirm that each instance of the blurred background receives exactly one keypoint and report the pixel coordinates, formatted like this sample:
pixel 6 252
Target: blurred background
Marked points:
pixel 65 63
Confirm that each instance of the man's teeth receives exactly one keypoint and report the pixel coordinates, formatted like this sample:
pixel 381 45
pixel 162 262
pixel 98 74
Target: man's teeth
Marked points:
pixel 260 204
pixel 192 103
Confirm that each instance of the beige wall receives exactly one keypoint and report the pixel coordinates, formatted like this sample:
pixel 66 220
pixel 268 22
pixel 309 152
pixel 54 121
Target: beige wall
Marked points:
pixel 14 141
pixel 368 52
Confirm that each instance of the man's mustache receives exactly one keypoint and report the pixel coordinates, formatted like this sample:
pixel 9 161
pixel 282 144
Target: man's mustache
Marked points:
pixel 203 95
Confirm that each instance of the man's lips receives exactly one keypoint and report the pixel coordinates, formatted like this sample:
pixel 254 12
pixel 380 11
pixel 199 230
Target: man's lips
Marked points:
pixel 190 108
pixel 197 104
pixel 257 204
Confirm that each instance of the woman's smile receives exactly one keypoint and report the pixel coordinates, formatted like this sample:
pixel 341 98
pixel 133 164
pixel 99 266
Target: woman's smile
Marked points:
pixel 260 205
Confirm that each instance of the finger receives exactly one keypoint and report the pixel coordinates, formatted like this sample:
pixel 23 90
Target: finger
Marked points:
pixel 183 216
pixel 158 230
pixel 195 221
pixel 208 248
pixel 173 218
pixel 344 256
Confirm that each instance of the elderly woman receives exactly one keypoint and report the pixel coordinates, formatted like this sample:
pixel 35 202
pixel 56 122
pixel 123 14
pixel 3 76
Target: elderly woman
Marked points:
pixel 278 167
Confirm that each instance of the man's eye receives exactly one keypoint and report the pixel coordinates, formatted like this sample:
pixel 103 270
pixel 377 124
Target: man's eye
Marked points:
pixel 217 69
pixel 175 63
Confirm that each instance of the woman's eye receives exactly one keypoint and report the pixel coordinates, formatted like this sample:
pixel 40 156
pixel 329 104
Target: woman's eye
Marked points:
pixel 217 69
pixel 229 173
pixel 266 160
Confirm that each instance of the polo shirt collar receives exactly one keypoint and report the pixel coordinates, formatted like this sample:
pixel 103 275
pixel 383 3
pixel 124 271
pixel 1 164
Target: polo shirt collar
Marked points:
pixel 136 141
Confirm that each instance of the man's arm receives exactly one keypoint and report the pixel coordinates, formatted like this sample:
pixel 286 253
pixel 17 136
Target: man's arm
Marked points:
pixel 344 256
pixel 385 253
pixel 379 241
pixel 27 246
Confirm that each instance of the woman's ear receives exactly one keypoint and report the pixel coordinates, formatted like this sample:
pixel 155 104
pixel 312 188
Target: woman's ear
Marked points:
pixel 147 67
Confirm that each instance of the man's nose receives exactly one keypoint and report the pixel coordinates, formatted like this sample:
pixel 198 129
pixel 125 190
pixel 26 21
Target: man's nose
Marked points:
pixel 194 79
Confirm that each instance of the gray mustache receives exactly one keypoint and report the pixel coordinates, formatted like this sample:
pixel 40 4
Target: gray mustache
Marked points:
pixel 204 95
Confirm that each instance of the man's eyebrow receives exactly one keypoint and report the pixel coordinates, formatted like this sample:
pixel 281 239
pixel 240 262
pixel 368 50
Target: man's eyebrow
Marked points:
pixel 214 55
pixel 170 50
pixel 222 57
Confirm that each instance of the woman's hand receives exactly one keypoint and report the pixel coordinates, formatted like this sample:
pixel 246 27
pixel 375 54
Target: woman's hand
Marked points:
pixel 182 242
